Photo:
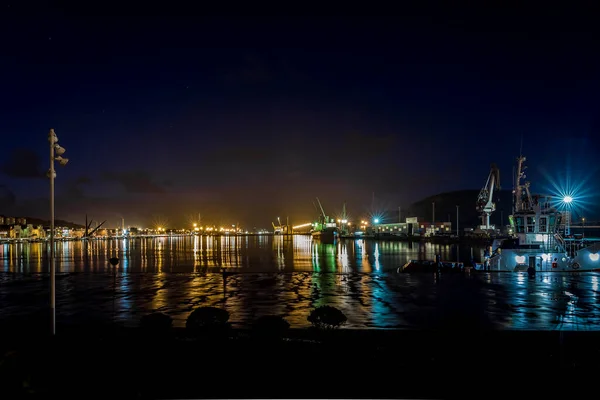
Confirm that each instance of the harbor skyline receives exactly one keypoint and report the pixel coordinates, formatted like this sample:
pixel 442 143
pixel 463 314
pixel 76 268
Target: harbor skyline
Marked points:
pixel 171 121
pixel 420 191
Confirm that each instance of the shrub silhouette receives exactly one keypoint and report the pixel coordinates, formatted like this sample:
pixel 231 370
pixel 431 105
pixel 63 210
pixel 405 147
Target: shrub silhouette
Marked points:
pixel 156 322
pixel 327 317
pixel 207 319
pixel 270 326
pixel 15 379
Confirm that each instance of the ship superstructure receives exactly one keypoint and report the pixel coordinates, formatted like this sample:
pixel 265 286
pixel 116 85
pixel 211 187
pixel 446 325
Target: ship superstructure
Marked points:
pixel 325 229
pixel 537 241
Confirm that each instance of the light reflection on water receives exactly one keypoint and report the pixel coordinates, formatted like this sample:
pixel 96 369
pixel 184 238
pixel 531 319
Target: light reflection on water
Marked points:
pixel 386 300
pixel 288 276
pixel 201 254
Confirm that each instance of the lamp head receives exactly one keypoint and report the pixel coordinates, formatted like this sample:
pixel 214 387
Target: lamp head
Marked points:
pixel 52 138
pixel 62 161
pixel 59 150
pixel 568 199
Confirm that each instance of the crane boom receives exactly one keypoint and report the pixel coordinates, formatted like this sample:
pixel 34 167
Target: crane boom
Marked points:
pixel 522 201
pixel 485 204
pixel 322 211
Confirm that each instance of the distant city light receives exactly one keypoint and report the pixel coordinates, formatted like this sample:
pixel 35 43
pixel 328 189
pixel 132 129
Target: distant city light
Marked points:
pixel 301 226
pixel 376 220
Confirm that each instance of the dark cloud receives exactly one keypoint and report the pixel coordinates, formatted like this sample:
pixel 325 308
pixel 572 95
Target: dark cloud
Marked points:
pixel 258 69
pixel 23 163
pixel 8 200
pixel 134 182
pixel 75 188
pixel 239 155
pixel 252 69
pixel 83 180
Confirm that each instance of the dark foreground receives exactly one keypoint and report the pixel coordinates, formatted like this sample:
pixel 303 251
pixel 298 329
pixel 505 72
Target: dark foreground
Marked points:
pixel 131 363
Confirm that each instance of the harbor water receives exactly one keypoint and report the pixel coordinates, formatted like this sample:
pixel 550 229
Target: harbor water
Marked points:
pixel 287 276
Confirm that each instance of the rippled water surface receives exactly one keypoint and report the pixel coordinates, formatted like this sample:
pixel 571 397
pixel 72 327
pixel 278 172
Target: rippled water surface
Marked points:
pixel 245 253
pixel 289 277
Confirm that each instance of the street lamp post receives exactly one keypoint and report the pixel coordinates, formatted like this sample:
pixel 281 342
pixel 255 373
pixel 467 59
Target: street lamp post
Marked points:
pixel 56 152
pixel 433 217
pixel 457 235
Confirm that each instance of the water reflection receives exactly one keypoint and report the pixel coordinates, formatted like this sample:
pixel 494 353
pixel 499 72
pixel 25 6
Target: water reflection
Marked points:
pixel 208 254
pixel 370 300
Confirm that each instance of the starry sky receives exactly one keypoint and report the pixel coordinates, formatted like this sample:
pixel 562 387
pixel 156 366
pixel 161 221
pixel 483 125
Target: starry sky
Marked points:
pixel 247 119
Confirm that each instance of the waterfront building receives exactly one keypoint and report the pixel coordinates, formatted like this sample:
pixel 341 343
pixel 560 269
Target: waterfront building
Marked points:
pixel 413 227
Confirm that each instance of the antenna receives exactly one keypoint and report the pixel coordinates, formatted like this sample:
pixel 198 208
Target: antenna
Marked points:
pixel 514 190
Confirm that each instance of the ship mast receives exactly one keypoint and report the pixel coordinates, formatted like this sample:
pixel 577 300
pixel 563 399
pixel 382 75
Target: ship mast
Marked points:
pixel 519 187
pixel 518 191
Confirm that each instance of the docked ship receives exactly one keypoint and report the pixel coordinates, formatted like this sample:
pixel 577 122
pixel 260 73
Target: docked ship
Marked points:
pixel 537 241
pixel 325 229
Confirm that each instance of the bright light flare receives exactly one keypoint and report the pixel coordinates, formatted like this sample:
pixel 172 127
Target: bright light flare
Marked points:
pixel 571 191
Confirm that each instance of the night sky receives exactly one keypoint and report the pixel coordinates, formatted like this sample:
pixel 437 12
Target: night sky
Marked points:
pixel 247 119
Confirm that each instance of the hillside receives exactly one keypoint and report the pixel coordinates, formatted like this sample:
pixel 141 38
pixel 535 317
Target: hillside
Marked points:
pixel 445 205
pixel 57 222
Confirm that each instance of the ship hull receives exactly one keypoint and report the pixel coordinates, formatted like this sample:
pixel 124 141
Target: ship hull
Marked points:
pixel 325 235
pixel 586 259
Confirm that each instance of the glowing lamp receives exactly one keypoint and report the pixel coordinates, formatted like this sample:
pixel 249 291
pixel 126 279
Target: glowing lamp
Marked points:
pixel 567 199
pixel 520 259
pixel 376 220
pixel 594 256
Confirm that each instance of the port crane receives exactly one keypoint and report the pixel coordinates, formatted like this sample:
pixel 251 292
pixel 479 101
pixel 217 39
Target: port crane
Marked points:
pixel 485 204
pixel 322 217
pixel 282 229
pixel 277 229
pixel 522 196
